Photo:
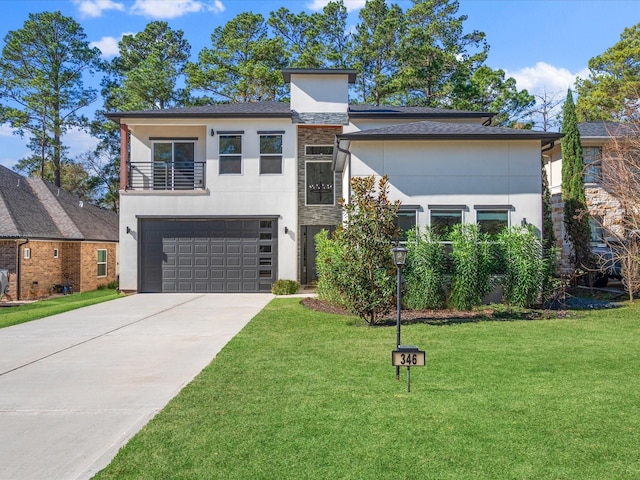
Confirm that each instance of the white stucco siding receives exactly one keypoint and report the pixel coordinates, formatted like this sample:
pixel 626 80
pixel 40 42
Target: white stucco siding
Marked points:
pixel 470 173
pixel 319 93
pixel 246 195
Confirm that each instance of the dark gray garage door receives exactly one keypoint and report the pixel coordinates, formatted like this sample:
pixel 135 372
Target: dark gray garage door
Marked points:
pixel 208 255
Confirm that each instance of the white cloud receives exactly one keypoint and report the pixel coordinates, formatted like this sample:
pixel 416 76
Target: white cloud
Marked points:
pixel 94 8
pixel 108 46
pixel 174 8
pixel 5 130
pixel 317 5
pixel 78 142
pixel 544 77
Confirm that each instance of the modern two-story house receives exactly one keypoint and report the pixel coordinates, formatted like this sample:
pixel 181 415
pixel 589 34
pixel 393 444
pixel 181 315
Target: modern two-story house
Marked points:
pixel 227 198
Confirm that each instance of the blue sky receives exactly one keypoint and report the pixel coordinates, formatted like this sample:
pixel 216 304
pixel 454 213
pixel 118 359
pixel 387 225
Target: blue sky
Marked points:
pixel 543 44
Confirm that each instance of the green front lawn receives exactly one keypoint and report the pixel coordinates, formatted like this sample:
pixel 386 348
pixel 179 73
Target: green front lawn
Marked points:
pixel 305 395
pixel 52 306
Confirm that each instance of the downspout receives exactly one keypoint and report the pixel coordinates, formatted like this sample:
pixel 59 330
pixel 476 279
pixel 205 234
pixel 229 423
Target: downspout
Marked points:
pixel 19 269
pixel 550 146
pixel 347 154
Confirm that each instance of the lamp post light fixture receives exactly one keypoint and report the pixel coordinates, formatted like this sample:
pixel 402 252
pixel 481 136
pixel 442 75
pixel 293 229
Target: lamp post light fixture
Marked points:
pixel 399 260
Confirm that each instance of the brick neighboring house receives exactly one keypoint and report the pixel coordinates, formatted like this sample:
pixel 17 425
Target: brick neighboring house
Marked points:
pixel 47 234
pixel 228 197
pixel 605 212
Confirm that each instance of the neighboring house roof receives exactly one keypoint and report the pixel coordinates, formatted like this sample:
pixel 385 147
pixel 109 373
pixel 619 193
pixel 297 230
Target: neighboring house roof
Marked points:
pixel 602 129
pixel 428 130
pixel 33 208
pixel 286 72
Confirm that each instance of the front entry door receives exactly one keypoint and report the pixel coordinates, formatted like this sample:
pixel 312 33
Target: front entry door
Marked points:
pixel 309 273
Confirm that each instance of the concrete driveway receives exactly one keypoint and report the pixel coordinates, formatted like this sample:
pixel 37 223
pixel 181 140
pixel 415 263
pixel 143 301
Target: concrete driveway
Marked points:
pixel 75 387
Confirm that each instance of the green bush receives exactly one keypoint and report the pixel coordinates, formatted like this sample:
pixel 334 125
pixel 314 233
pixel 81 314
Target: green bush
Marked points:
pixel 329 267
pixel 526 270
pixel 424 273
pixel 285 287
pixel 472 267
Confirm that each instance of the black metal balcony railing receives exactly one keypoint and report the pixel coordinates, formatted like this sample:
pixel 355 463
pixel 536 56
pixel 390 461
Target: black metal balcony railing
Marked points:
pixel 166 176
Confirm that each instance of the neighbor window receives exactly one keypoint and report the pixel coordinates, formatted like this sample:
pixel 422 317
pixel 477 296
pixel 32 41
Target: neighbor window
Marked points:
pixel 173 165
pixel 230 160
pixel 442 222
pixel 56 253
pixel 492 222
pixel 27 253
pixel 315 150
pixel 270 154
pixel 597 230
pixel 592 157
pixel 102 263
pixel 319 183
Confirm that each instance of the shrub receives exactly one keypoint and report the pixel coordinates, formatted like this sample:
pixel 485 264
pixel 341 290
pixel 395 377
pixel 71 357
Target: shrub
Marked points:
pixel 526 269
pixel 329 268
pixel 472 267
pixel 285 287
pixel 424 272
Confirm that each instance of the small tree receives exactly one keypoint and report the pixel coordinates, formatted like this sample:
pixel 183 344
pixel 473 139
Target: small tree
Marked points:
pixel 366 283
pixel 576 218
pixel 621 178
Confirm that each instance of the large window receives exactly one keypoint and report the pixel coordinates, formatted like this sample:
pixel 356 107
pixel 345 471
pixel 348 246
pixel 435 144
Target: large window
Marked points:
pixel 492 222
pixel 230 159
pixel 443 220
pixel 102 263
pixel 406 220
pixel 319 182
pixel 270 154
pixel 173 165
pixel 592 157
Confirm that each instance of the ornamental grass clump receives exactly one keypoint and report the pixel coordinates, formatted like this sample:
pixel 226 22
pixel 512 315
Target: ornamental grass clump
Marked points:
pixel 472 267
pixel 526 269
pixel 425 270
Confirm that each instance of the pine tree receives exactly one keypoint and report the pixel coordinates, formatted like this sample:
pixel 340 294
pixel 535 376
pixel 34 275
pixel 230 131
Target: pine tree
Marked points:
pixel 576 217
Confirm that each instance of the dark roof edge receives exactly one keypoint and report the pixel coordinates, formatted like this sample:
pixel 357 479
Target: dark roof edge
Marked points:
pixel 545 136
pixel 287 72
pixel 116 116
pixel 443 114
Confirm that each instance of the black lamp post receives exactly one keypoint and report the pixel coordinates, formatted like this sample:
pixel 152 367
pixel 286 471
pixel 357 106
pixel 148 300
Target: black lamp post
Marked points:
pixel 399 260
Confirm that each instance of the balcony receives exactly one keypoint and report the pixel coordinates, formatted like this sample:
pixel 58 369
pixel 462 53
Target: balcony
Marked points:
pixel 166 175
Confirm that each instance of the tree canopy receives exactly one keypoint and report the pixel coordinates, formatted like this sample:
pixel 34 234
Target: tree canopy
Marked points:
pixel 42 87
pixel 614 80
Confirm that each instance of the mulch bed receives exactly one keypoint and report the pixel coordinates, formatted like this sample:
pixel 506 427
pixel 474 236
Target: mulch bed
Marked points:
pixel 435 317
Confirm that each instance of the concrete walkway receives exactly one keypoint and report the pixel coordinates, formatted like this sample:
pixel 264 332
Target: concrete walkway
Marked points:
pixel 75 387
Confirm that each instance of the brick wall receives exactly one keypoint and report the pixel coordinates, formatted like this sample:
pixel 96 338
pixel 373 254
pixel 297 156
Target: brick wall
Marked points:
pixel 78 260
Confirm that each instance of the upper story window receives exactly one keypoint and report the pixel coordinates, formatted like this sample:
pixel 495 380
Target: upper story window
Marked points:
pixel 319 183
pixel 318 150
pixel 270 154
pixel 173 164
pixel 492 221
pixel 230 154
pixel 591 157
